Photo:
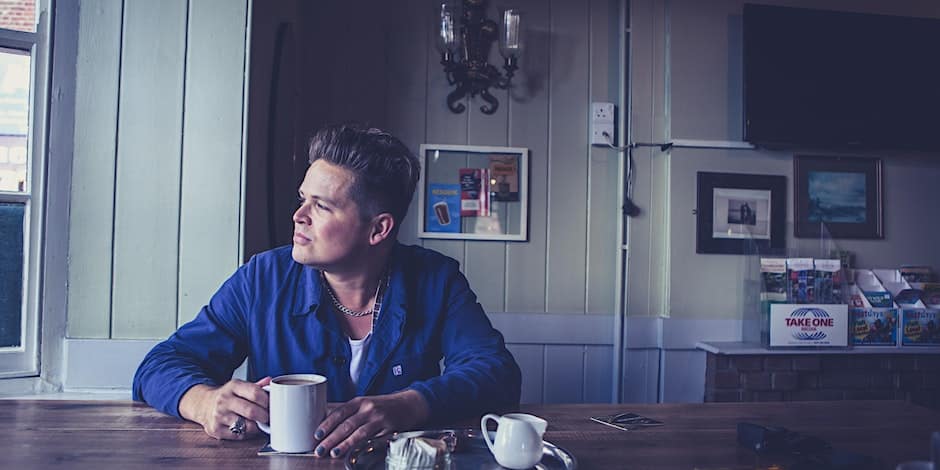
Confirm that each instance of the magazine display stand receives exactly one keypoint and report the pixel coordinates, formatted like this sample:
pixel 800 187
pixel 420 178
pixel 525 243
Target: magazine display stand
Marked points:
pixel 473 193
pixel 811 298
pixel 801 297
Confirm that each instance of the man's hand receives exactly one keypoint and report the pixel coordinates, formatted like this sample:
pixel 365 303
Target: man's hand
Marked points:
pixel 217 408
pixel 365 417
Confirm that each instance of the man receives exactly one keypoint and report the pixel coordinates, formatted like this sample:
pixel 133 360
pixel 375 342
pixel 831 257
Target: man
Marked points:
pixel 346 301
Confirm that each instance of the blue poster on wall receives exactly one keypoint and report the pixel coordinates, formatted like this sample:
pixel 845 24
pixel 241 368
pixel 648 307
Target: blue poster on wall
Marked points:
pixel 443 208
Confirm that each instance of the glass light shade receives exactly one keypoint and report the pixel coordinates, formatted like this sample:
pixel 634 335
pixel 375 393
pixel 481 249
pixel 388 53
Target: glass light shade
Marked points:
pixel 510 34
pixel 447 29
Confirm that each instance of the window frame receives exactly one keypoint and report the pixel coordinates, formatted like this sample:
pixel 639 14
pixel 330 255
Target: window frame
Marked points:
pixel 23 361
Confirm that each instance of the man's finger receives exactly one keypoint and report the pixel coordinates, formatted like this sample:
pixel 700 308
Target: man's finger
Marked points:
pixel 334 418
pixel 248 409
pixel 251 392
pixel 340 431
pixel 360 435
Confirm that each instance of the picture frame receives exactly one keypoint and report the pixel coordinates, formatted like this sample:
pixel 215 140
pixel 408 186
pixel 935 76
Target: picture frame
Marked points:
pixel 843 193
pixel 473 192
pixel 739 213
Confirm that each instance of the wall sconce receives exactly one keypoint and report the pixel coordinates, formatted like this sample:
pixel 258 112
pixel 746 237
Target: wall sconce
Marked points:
pixel 465 46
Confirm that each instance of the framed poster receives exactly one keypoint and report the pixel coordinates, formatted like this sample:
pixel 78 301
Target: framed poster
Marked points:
pixel 473 193
pixel 734 210
pixel 841 193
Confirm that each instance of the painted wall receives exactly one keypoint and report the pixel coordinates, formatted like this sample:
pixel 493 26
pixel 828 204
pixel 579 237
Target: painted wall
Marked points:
pixel 686 84
pixel 380 66
pixel 155 207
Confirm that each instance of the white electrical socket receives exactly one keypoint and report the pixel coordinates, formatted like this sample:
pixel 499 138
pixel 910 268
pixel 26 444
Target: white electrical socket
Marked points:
pixel 602 122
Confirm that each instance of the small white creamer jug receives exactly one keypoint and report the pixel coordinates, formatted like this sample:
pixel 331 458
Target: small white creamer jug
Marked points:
pixel 518 442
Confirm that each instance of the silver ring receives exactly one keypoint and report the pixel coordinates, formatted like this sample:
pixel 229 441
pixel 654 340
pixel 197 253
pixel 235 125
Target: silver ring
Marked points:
pixel 238 427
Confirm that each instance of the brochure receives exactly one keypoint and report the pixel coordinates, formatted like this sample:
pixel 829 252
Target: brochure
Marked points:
pixel 875 327
pixel 443 208
pixel 801 277
pixel 474 192
pixel 504 178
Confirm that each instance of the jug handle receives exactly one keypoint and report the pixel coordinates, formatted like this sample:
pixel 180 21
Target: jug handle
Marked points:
pixel 486 434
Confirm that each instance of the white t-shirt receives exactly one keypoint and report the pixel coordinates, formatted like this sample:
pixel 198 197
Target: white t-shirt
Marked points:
pixel 358 347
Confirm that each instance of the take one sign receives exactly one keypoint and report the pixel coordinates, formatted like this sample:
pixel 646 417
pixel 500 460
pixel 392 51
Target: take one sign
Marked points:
pixel 812 325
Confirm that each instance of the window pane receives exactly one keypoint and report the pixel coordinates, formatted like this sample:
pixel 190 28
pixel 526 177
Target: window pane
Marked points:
pixel 18 14
pixel 14 118
pixel 11 272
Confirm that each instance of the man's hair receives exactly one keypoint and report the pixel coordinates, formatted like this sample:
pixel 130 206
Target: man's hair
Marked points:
pixel 385 171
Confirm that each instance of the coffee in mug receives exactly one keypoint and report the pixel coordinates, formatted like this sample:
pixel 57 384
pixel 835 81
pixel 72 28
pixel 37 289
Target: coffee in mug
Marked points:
pixel 297 406
pixel 295 382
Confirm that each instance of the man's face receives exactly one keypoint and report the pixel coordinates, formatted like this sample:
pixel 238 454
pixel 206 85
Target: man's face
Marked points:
pixel 328 230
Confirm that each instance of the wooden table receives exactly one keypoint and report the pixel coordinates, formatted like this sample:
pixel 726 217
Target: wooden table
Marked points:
pixel 121 434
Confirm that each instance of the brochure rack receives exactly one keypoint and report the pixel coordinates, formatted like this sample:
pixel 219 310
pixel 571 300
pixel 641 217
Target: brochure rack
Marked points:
pixel 810 297
pixel 800 299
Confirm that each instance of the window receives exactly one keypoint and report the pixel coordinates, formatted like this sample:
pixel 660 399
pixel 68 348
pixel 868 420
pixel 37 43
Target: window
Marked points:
pixel 23 91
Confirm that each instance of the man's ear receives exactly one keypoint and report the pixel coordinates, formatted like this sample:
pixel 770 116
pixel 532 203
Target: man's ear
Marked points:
pixel 382 227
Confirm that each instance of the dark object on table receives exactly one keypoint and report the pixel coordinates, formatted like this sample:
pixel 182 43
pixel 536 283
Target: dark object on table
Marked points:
pixel 810 453
pixel 763 439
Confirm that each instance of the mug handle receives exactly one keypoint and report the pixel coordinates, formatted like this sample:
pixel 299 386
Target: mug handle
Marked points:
pixel 265 426
pixel 486 434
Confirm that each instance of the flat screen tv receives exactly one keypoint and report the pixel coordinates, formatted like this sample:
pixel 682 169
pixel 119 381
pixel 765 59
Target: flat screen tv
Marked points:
pixel 824 79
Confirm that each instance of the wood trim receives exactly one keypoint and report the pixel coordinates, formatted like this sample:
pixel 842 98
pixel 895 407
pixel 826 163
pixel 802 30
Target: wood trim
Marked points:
pixel 103 363
pixel 555 328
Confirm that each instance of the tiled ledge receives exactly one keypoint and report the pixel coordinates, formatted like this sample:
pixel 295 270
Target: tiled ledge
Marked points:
pixel 735 348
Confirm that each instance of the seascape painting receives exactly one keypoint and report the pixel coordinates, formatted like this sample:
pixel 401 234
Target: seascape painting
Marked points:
pixel 836 197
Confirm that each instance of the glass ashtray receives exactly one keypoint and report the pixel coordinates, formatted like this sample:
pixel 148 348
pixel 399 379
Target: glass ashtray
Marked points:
pixel 420 450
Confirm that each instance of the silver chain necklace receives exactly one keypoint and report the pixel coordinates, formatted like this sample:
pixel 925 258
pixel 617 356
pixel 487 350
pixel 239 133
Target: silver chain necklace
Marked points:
pixel 376 304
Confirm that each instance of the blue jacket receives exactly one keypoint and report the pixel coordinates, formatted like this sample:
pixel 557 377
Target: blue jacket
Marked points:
pixel 273 311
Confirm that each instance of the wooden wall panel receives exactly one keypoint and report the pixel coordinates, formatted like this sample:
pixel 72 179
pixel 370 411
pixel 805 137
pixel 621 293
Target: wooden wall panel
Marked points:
pixel 486 260
pixel 641 375
pixel 568 156
pixel 564 373
pixel 212 151
pixel 528 127
pixel 406 88
pixel 147 191
pixel 598 379
pixel 91 209
pixel 603 176
pixel 531 360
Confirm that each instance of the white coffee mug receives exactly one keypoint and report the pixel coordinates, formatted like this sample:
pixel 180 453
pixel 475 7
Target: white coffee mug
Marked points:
pixel 296 407
pixel 518 442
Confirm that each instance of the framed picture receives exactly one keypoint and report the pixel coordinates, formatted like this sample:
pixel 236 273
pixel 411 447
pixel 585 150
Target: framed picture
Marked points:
pixel 473 193
pixel 740 213
pixel 841 193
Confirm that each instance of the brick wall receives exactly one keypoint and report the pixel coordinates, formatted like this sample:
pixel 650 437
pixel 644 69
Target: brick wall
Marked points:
pixel 791 377
pixel 18 14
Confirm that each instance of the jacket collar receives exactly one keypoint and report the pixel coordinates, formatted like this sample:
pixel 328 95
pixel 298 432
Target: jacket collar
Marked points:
pixel 391 323
pixel 306 291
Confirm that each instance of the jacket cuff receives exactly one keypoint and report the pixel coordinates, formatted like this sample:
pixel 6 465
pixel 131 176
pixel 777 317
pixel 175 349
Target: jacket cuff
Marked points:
pixel 435 406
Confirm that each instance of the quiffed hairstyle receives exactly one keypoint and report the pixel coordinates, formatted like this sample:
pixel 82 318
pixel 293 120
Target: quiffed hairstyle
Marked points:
pixel 386 172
